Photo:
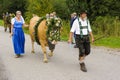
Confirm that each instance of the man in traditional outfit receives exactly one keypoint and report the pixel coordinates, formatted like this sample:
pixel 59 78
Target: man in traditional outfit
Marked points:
pixel 81 27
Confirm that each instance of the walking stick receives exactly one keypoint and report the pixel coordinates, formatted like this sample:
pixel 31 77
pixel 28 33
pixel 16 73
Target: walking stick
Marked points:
pixel 101 37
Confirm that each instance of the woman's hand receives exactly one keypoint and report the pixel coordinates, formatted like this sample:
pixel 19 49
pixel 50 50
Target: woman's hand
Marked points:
pixel 11 34
pixel 25 25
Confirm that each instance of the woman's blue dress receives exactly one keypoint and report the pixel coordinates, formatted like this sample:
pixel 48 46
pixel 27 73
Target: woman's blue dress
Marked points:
pixel 18 37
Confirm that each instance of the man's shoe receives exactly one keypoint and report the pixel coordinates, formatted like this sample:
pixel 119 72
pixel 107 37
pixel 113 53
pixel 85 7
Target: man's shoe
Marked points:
pixel 83 68
pixel 75 46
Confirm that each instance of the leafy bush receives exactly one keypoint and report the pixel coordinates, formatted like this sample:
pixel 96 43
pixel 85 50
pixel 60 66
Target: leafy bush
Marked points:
pixel 112 42
pixel 38 7
pixel 107 26
pixel 65 30
pixel 1 22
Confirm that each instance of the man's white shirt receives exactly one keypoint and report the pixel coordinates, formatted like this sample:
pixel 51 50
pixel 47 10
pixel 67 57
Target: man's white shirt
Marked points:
pixel 76 27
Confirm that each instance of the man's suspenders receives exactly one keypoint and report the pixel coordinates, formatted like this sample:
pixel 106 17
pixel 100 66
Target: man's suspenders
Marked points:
pixel 80 26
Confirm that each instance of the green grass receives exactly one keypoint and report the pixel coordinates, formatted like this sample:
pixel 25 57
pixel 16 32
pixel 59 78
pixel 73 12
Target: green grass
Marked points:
pixel 111 42
pixel 1 22
pixel 26 30
pixel 65 31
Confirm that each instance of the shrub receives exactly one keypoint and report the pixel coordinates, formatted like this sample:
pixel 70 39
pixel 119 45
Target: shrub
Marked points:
pixel 107 25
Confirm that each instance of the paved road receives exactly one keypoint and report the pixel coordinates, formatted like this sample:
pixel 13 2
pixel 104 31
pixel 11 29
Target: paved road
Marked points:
pixel 3 73
pixel 102 64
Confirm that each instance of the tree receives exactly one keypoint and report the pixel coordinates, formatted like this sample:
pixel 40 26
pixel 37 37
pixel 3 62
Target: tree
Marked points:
pixel 38 7
pixel 17 5
pixel 4 4
pixel 114 8
pixel 104 8
pixel 12 6
pixel 61 8
pixel 76 5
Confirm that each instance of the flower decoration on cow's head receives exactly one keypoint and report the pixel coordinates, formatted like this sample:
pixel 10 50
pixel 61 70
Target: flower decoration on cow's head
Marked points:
pixel 54 22
pixel 54 25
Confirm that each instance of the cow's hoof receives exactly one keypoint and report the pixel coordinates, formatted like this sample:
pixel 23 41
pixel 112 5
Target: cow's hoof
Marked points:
pixel 50 54
pixel 32 51
pixel 45 61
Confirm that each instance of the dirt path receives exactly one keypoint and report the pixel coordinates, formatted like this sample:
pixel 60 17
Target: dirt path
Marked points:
pixel 102 63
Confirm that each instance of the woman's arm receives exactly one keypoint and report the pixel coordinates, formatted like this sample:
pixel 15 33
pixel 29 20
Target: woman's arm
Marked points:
pixel 25 25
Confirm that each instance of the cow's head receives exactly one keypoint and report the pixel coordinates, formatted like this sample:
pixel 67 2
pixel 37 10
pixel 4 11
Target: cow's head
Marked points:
pixel 53 32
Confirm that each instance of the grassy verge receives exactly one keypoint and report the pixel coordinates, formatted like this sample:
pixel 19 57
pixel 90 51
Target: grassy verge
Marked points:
pixel 1 22
pixel 26 30
pixel 111 42
pixel 65 31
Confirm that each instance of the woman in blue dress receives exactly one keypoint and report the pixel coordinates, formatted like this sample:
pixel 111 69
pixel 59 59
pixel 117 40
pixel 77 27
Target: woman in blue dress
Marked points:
pixel 17 34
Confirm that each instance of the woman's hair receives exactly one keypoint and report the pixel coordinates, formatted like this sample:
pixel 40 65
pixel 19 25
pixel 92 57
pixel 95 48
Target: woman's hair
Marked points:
pixel 18 12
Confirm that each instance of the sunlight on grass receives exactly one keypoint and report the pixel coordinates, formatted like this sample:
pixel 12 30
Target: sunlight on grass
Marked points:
pixel 112 42
pixel 1 22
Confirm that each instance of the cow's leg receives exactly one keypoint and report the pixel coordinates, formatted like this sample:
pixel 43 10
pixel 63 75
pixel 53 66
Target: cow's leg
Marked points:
pixel 51 53
pixel 5 26
pixel 9 28
pixel 44 51
pixel 51 48
pixel 33 51
pixel 32 41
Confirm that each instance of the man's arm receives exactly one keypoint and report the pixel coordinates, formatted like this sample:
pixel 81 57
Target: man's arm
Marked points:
pixel 90 31
pixel 92 36
pixel 70 37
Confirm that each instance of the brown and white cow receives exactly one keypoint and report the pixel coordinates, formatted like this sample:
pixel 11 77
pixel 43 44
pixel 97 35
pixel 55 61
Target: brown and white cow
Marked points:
pixel 42 37
pixel 7 21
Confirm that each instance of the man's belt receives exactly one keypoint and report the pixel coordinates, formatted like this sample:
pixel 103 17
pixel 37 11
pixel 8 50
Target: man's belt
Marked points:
pixel 84 27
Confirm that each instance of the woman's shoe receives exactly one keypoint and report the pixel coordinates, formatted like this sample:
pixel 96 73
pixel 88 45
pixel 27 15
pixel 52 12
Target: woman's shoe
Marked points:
pixel 17 56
